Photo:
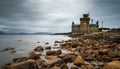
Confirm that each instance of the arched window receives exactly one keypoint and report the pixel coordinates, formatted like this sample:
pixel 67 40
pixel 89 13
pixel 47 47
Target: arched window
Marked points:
pixel 84 23
pixel 84 28
pixel 94 28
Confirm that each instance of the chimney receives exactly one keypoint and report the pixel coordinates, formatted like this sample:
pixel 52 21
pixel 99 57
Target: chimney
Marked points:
pixel 97 22
pixel 72 23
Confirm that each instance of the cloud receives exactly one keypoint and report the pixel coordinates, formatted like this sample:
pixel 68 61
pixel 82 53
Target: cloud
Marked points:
pixel 55 15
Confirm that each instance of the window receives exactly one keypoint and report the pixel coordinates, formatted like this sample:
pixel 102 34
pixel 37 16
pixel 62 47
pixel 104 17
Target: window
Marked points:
pixel 84 23
pixel 94 28
pixel 76 29
pixel 84 28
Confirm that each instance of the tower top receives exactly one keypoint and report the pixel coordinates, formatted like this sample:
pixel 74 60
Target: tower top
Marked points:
pixel 72 23
pixel 85 15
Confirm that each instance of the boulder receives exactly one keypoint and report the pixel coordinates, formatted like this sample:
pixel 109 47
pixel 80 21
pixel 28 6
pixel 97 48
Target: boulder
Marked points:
pixel 6 49
pixel 29 64
pixel 49 47
pixel 75 44
pixel 56 47
pixel 39 61
pixel 51 57
pixel 74 67
pixel 21 59
pixel 112 65
pixel 112 53
pixel 50 53
pixel 38 42
pixel 64 66
pixel 6 66
pixel 78 61
pixel 55 44
pixel 87 66
pixel 51 61
pixel 34 55
pixel 39 48
pixel 47 43
pixel 68 58
pixel 11 48
pixel 72 49
pixel 106 58
pixel 58 52
pixel 59 41
pixel 89 58
pixel 55 68
pixel 13 51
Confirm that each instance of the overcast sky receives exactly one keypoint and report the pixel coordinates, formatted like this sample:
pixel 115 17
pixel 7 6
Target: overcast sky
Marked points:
pixel 55 15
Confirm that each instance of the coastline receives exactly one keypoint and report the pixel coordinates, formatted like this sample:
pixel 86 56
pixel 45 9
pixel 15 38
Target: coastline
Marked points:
pixel 85 51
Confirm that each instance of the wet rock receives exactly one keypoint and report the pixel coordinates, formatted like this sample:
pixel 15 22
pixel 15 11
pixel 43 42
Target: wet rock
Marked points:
pixel 64 66
pixel 55 68
pixel 47 43
pixel 6 66
pixel 118 46
pixel 39 48
pixel 74 67
pixel 116 40
pixel 75 44
pixel 112 65
pixel 13 51
pixel 84 55
pixel 49 47
pixel 19 40
pixel 61 56
pixel 118 54
pixel 29 64
pixel 44 67
pixel 87 66
pixel 38 42
pixel 68 58
pixel 89 58
pixel 106 58
pixel 78 48
pixel 72 49
pixel 63 45
pixel 11 48
pixel 103 52
pixel 87 41
pixel 58 52
pixel 21 59
pixel 34 55
pixel 55 44
pixel 51 61
pixel 78 61
pixel 56 47
pixel 6 49
pixel 111 53
pixel 59 63
pixel 59 41
pixel 51 57
pixel 39 62
pixel 50 53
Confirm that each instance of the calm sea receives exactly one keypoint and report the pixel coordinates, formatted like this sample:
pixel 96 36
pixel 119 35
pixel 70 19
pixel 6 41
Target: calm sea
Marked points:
pixel 24 44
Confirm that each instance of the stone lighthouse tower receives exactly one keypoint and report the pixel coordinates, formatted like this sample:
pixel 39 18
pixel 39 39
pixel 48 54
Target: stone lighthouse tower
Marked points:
pixel 84 23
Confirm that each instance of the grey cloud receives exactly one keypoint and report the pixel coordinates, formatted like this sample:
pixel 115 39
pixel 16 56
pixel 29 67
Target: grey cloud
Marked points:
pixel 108 7
pixel 54 15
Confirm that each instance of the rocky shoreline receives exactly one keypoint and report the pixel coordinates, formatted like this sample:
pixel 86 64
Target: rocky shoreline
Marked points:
pixel 91 51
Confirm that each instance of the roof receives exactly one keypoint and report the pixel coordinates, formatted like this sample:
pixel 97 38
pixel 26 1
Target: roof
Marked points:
pixel 92 25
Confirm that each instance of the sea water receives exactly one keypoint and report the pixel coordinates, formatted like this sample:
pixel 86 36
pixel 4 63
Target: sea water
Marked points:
pixel 24 44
